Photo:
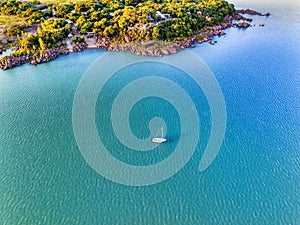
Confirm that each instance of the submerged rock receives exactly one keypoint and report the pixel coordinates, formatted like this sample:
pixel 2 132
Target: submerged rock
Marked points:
pixel 243 25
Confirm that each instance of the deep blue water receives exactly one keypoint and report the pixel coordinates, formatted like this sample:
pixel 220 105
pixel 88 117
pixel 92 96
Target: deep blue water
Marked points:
pixel 253 180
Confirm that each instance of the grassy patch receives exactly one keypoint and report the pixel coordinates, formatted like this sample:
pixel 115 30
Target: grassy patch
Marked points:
pixel 10 20
pixel 62 1
pixel 7 21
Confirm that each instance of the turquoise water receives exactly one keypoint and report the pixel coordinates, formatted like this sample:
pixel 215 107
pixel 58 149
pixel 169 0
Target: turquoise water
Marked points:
pixel 253 180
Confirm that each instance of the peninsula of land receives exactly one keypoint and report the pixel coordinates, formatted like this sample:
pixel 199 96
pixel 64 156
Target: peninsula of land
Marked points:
pixel 38 32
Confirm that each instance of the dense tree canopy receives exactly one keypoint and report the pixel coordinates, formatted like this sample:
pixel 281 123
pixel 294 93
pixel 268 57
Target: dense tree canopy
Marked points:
pixel 121 20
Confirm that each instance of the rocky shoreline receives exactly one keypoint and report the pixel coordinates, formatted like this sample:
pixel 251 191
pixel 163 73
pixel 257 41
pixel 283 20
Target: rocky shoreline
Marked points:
pixel 9 62
pixel 251 12
pixel 159 48
pixel 145 48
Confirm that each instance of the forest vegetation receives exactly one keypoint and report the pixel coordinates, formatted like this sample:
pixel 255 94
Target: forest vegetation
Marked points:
pixel 46 24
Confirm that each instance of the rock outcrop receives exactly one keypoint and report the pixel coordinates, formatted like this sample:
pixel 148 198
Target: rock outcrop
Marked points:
pixel 10 61
pixel 78 47
pixel 251 12
pixel 243 25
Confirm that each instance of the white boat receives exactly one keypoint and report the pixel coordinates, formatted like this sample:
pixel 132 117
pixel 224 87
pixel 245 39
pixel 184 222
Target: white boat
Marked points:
pixel 161 139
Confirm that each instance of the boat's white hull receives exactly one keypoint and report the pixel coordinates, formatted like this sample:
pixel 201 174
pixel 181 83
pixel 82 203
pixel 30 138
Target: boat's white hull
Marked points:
pixel 159 140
